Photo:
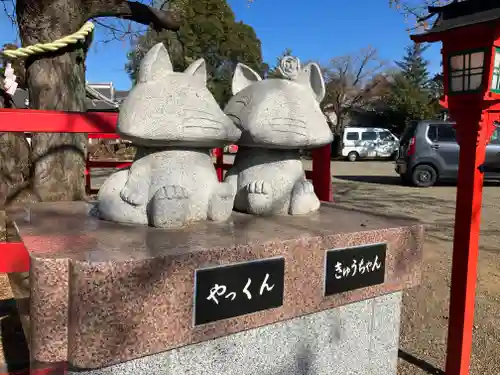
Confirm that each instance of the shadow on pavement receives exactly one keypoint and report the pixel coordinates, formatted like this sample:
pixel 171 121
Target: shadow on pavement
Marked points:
pixel 420 363
pixel 396 180
pixel 381 180
pixel 15 347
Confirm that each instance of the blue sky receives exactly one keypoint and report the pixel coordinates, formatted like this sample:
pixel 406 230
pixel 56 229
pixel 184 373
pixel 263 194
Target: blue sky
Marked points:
pixel 313 29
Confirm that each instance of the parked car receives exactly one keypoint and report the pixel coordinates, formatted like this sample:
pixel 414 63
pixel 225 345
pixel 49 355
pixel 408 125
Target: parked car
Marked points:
pixel 369 143
pixel 429 153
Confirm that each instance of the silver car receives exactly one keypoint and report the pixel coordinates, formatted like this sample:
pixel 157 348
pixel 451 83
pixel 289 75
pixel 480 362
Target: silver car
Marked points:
pixel 429 152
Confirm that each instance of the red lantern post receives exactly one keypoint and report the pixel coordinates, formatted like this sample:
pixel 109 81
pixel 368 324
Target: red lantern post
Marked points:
pixel 470 33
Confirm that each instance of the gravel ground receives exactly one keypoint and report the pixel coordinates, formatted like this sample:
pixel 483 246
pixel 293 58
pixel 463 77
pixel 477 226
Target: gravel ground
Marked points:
pixel 375 185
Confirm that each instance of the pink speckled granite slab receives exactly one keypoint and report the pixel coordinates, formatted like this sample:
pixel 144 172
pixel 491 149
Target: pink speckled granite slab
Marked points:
pixel 103 293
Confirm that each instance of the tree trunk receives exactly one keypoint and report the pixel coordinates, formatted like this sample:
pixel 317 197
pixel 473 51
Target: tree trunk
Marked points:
pixel 338 131
pixel 56 81
pixel 15 169
pixel 15 163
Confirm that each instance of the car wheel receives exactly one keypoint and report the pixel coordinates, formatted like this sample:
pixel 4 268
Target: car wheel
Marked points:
pixel 394 155
pixel 424 176
pixel 352 156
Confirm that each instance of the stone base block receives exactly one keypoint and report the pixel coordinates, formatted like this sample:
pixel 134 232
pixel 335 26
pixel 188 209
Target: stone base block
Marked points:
pixel 309 295
pixel 355 339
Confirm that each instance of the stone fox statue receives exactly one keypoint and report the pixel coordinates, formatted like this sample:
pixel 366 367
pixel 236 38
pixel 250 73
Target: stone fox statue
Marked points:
pixel 174 121
pixel 278 117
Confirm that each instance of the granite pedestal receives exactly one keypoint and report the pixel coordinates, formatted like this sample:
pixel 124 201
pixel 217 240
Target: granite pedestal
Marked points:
pixel 109 298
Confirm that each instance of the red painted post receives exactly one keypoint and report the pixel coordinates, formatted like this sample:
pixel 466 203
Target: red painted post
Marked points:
pixel 14 257
pixel 88 187
pixel 34 120
pixel 219 162
pixel 465 243
pixel 52 369
pixel 321 173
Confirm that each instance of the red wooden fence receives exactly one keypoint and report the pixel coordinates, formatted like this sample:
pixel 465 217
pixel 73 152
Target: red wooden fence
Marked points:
pixel 13 256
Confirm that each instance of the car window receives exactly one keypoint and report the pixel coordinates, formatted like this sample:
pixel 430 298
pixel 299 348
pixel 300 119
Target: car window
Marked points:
pixel 495 137
pixel 386 136
pixel 408 132
pixel 351 136
pixel 446 134
pixel 368 136
pixel 432 133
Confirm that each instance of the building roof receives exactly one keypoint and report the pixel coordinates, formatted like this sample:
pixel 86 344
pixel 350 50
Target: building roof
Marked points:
pixel 460 14
pixel 120 95
pixel 99 105
pixel 464 8
pixel 20 99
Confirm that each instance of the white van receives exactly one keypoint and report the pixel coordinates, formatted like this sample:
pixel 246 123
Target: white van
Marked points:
pixel 369 143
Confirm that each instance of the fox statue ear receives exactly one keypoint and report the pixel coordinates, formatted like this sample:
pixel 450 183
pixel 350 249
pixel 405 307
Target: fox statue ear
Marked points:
pixel 155 63
pixel 198 69
pixel 243 76
pixel 312 77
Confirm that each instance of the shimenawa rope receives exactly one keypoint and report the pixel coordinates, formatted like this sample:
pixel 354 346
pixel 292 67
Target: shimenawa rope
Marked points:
pixel 39 48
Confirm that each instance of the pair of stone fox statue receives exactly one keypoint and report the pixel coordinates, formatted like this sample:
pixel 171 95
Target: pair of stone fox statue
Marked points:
pixel 174 121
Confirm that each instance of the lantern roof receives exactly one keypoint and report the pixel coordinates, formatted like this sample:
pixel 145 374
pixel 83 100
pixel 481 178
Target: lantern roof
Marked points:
pixel 459 14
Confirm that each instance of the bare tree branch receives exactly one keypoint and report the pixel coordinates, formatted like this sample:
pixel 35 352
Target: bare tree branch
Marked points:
pixel 366 58
pixel 352 81
pixel 115 28
pixel 415 12
pixel 112 28
pixel 119 31
pixel 9 8
pixel 135 11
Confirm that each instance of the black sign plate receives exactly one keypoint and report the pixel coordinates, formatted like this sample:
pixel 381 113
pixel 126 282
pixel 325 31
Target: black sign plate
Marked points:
pixel 354 268
pixel 227 291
